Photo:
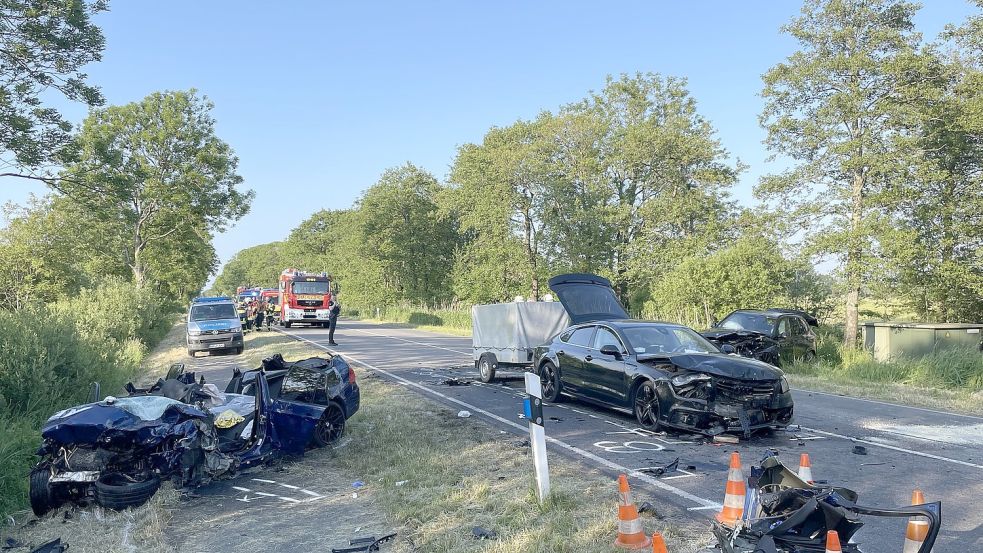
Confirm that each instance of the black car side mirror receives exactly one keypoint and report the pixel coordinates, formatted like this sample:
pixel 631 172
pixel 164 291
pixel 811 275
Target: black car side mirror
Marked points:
pixel 611 350
pixel 728 348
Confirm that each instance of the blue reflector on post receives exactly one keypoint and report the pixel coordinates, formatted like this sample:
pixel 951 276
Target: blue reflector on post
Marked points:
pixel 527 408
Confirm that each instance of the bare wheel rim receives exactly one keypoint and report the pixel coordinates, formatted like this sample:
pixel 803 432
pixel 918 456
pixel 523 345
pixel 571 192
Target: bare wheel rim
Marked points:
pixel 331 426
pixel 548 380
pixel 646 405
pixel 484 368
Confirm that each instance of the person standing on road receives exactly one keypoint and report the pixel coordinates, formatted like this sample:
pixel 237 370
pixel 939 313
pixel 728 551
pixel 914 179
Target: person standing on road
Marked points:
pixel 260 314
pixel 334 308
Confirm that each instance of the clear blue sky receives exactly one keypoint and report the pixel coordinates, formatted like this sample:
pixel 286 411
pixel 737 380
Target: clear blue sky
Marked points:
pixel 318 98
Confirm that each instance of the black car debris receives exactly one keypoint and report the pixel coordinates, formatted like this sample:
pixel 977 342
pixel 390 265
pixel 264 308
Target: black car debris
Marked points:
pixel 775 336
pixel 788 515
pixel 667 374
pixel 116 452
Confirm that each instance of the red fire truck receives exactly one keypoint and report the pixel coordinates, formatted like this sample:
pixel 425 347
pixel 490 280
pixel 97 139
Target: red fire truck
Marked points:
pixel 304 297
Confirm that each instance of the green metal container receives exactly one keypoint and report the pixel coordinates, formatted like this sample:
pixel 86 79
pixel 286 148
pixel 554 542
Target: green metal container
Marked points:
pixel 889 340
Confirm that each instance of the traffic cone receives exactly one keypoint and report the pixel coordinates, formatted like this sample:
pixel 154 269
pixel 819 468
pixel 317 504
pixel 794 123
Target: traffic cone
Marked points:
pixel 917 527
pixel 833 542
pixel 734 493
pixel 658 544
pixel 630 534
pixel 805 468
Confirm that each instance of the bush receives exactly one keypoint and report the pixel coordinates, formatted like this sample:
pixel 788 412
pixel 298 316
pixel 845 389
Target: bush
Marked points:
pixel 452 316
pixel 51 354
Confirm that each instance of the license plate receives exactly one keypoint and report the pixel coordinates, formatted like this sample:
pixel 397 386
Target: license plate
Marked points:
pixel 216 345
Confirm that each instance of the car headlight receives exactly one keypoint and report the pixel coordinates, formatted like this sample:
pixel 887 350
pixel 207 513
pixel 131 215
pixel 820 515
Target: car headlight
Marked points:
pixel 685 379
pixel 784 386
pixel 194 333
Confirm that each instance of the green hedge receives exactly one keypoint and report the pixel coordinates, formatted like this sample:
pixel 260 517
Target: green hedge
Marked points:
pixel 50 356
pixel 458 317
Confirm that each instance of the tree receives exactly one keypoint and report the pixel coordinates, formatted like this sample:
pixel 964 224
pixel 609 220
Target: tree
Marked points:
pixel 149 173
pixel 404 240
pixel 43 48
pixel 842 106
pixel 498 194
pixel 650 170
pixel 254 266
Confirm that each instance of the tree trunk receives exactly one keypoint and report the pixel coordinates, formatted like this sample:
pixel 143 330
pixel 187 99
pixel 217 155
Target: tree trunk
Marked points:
pixel 854 260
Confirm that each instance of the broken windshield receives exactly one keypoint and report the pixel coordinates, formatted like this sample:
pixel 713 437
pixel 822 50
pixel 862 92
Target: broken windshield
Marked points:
pixel 666 339
pixel 755 322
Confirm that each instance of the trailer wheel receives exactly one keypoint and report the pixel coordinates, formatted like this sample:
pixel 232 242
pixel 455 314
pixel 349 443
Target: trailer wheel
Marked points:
pixel 287 324
pixel 487 364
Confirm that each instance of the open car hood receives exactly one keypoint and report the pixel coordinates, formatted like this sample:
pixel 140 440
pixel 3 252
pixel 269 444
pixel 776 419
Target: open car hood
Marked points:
pixel 587 298
pixel 727 366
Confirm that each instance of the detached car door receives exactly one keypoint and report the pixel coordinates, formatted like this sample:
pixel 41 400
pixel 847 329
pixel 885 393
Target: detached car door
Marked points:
pixel 572 356
pixel 605 374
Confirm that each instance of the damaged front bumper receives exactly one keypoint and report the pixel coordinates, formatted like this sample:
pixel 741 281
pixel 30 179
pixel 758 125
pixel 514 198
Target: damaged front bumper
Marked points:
pixel 713 413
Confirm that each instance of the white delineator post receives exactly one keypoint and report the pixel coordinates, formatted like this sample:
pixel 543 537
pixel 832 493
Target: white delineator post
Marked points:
pixel 537 434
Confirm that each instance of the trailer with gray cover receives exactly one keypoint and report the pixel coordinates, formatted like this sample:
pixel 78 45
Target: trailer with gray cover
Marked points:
pixel 505 335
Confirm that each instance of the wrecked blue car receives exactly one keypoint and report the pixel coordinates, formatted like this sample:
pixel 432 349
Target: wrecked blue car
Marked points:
pixel 116 452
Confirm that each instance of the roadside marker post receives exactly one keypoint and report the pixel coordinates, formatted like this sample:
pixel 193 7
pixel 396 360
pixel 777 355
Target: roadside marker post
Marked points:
pixel 533 407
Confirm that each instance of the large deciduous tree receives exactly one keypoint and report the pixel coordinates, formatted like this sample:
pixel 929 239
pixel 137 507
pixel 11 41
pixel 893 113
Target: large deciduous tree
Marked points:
pixel 154 172
pixel 842 107
pixel 44 44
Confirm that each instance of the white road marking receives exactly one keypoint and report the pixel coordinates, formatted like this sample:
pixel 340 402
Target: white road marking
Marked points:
pixel 247 490
pixel 703 508
pixel 265 481
pixel 309 492
pixel 264 494
pixel 895 448
pixel 704 503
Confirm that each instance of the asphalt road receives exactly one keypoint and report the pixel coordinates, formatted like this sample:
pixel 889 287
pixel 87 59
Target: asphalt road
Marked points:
pixel 907 447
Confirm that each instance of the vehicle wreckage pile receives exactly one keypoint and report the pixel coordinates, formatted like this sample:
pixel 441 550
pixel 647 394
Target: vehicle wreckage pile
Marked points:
pixel 116 452
pixel 776 511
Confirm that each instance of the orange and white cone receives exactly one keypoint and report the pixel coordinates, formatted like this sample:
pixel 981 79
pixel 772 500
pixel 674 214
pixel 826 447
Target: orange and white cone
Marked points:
pixel 805 468
pixel 833 542
pixel 917 527
pixel 734 493
pixel 658 544
pixel 630 534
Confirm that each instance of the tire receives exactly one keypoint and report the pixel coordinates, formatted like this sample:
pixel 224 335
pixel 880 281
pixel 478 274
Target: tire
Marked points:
pixel 331 427
pixel 549 376
pixel 238 350
pixel 645 405
pixel 287 324
pixel 191 353
pixel 114 491
pixel 42 498
pixel 486 367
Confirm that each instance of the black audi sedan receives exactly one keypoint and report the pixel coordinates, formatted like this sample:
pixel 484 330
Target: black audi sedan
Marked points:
pixel 667 374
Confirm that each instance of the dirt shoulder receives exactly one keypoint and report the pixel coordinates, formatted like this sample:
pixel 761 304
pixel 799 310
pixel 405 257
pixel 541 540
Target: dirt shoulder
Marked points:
pixel 406 465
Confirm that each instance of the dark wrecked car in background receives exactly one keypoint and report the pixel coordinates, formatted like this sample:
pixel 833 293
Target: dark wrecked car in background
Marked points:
pixel 116 452
pixel 784 514
pixel 775 336
pixel 667 374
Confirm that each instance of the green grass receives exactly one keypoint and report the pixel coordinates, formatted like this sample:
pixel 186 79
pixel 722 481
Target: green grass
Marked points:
pixel 949 378
pixel 452 320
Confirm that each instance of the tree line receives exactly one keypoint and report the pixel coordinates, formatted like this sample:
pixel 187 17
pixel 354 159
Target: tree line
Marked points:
pixel 882 130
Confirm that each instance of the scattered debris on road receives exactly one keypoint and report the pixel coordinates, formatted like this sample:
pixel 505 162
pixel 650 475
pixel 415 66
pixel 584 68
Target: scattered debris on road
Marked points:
pixel 370 543
pixel 480 533
pixel 726 439
pixel 859 450
pixel 464 414
pixel 53 546
pixel 659 471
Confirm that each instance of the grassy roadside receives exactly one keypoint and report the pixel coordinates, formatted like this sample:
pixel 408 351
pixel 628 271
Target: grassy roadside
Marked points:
pixel 430 474
pixel 449 320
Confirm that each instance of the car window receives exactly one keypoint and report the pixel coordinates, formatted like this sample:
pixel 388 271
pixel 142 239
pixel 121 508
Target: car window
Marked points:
pixel 755 322
pixel 604 337
pixel 652 338
pixel 213 312
pixel 799 327
pixel 783 326
pixel 582 336
pixel 565 337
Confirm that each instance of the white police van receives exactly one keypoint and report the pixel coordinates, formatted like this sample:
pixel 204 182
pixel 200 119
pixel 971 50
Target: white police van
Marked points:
pixel 213 325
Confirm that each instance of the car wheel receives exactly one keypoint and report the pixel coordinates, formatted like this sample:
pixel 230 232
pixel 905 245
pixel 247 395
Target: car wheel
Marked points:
pixel 287 324
pixel 330 427
pixel 486 367
pixel 238 350
pixel 549 376
pixel 646 406
pixel 118 492
pixel 42 500
pixel 191 353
